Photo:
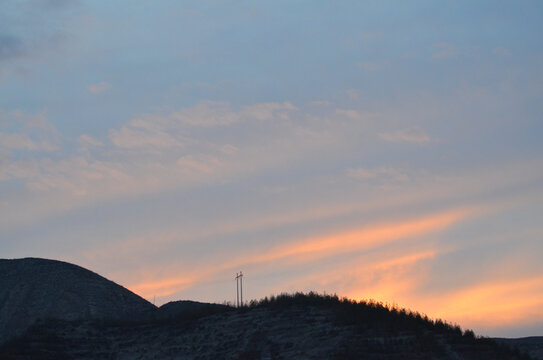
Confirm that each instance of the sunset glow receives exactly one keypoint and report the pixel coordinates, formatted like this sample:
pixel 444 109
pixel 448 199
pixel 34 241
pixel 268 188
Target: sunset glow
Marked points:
pixel 313 249
pixel 362 239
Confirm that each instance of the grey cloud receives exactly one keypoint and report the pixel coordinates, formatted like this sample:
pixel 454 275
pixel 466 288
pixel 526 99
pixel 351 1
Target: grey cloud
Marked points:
pixel 99 87
pixel 10 47
pixel 445 51
pixel 501 51
pixel 411 135
pixel 369 66
pixel 52 4
pixel 35 27
pixel 24 142
pixel 58 3
pixel 382 173
pixel 28 132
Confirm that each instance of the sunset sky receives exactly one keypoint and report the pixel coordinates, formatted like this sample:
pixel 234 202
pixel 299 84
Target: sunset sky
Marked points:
pixel 387 150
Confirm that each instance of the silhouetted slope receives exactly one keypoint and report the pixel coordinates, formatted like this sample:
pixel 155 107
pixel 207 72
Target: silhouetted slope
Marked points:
pixel 187 308
pixel 285 327
pixel 532 345
pixel 32 289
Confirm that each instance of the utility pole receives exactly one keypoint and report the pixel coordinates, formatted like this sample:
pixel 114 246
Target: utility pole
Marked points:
pixel 239 289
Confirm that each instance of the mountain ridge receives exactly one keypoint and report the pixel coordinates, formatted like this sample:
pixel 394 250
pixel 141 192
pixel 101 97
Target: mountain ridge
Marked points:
pixel 100 319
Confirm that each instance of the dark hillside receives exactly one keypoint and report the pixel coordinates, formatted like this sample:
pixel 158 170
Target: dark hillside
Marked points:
pixel 300 326
pixel 187 308
pixel 32 289
pixel 532 345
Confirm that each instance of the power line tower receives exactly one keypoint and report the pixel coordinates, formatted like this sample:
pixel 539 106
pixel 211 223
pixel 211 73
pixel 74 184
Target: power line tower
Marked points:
pixel 239 289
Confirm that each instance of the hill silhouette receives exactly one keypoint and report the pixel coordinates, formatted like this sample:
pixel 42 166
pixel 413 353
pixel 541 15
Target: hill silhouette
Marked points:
pixel 188 309
pixel 32 289
pixel 288 326
pixel 532 345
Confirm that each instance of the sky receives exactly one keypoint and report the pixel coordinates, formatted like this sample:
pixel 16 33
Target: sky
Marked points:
pixel 386 150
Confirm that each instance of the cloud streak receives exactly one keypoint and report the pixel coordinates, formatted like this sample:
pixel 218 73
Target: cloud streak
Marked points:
pixel 99 87
pixel 363 239
pixel 410 135
pixel 445 51
pixel 24 142
pixel 313 249
pixel 382 172
pixel 369 66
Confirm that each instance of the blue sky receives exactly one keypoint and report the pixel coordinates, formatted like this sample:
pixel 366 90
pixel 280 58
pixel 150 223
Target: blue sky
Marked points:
pixel 385 150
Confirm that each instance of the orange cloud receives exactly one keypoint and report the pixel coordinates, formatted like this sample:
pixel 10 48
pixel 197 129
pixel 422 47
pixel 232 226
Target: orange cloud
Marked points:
pixel 164 287
pixel 492 304
pixel 484 306
pixel 385 277
pixel 315 248
pixel 406 260
pixel 361 239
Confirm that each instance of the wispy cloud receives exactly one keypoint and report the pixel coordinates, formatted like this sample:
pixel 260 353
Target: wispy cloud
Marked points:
pixel 488 305
pixel 353 114
pixel 56 4
pixel 501 51
pixel 130 136
pixel 163 287
pixel 29 132
pixel 369 66
pixel 353 94
pixel 88 141
pixel 363 239
pixel 211 114
pixel 24 142
pixel 386 172
pixel 312 249
pixel 411 135
pixel 389 278
pixel 198 165
pixel 156 152
pixel 445 51
pixel 99 87
pixel 410 234
pixel 321 103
